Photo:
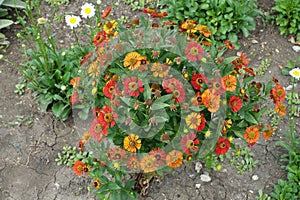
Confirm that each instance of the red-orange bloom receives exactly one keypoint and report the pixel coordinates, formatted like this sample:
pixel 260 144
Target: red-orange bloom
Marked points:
pixel 211 100
pixel 280 109
pixel 148 163
pixel 107 116
pixel 174 159
pixel 98 130
pixel 229 45
pixel 222 146
pixel 277 93
pixel 74 98
pixel 159 14
pixel 133 162
pixel 194 51
pixel 229 82
pixel 251 134
pixel 268 133
pixel 109 89
pixel 159 154
pixel 189 143
pixel 106 12
pixel 235 103
pixel 75 82
pixel 241 61
pixel 133 86
pixel 117 153
pixel 85 58
pixel 78 167
pixel 198 80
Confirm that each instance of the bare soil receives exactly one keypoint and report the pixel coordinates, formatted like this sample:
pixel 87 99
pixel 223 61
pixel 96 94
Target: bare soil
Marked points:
pixel 29 147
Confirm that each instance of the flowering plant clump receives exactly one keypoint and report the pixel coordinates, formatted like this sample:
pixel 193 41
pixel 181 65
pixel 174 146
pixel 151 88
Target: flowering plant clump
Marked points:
pixel 151 98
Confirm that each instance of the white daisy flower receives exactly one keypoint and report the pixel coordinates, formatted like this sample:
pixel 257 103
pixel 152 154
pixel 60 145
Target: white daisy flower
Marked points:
pixel 87 10
pixel 72 21
pixel 295 73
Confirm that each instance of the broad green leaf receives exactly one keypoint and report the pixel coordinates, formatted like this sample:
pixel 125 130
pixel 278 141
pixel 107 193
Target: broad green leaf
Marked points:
pixel 14 3
pixel 159 106
pixel 250 118
pixel 5 23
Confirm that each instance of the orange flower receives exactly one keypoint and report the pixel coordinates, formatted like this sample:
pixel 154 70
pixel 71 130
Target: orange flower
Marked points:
pixel 277 93
pixel 280 109
pixel 106 12
pixel 133 60
pixel 268 133
pixel 211 100
pixel 174 159
pixel 159 70
pixel 229 82
pixel 75 82
pixel 204 30
pixel 148 163
pixel 252 134
pixel 189 26
pixel 78 167
pixel 228 45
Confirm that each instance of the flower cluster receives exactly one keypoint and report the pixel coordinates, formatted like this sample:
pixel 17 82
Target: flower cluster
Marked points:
pixel 158 99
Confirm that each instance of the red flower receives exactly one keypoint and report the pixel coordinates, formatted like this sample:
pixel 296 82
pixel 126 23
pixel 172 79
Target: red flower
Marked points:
pixel 239 62
pixel 198 80
pixel 78 167
pixel 189 142
pixel 74 98
pixel 106 12
pixel 222 146
pixel 235 103
pixel 148 10
pixel 174 86
pixel 85 58
pixel 109 89
pixel 133 162
pixel 133 86
pixel 277 93
pixel 249 71
pixel 159 154
pixel 229 45
pixel 159 14
pixel 98 130
pixel 217 85
pixel 117 153
pixel 100 38
pixel 194 51
pixel 202 124
pixel 107 116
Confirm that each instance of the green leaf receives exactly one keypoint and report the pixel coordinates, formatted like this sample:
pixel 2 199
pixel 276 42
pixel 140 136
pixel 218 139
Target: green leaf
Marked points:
pixel 14 3
pixel 285 71
pixel 58 108
pixel 232 37
pixel 250 118
pixel 43 102
pixel 5 23
pixel 164 98
pixel 159 106
pixel 204 6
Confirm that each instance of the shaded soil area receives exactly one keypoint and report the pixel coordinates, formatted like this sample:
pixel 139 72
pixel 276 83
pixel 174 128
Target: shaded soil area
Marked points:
pixel 30 140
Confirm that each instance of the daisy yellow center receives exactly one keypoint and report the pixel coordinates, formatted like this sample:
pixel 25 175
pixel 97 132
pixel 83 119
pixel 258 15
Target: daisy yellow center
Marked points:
pixel 190 144
pixel 111 89
pixel 222 145
pixel 296 73
pixel 108 117
pixel 176 93
pixel 87 11
pixel 194 51
pixel 133 86
pixel 73 20
pixel 251 134
pixel 98 128
pixel 279 93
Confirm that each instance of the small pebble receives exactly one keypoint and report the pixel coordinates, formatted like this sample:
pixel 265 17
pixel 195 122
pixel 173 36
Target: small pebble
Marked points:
pixel 254 41
pixel 205 178
pixel 296 48
pixel 255 177
pixel 198 167
pixel 198 185
pixel 277 51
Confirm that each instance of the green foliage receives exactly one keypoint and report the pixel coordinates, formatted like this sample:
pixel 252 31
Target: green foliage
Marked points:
pixel 226 18
pixel 263 67
pixel 290 188
pixel 4 10
pixel 57 2
pixel 242 160
pixel 288 16
pixel 137 5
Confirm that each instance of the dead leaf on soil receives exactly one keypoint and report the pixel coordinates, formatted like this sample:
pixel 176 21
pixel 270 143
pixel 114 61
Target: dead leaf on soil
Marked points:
pixel 293 40
pixel 280 66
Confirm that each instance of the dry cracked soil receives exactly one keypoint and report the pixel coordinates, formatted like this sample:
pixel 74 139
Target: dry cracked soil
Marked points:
pixel 30 139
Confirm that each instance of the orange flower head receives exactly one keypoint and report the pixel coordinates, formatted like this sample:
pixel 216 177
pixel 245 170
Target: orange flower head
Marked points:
pixel 174 159
pixel 251 134
pixel 132 143
pixel 78 167
pixel 280 108
pixel 204 30
pixel 230 82
pixel 148 163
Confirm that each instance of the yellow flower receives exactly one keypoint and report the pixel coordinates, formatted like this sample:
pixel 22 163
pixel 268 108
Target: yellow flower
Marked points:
pixel 132 143
pixel 94 70
pixel 132 60
pixel 41 20
pixel 110 26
